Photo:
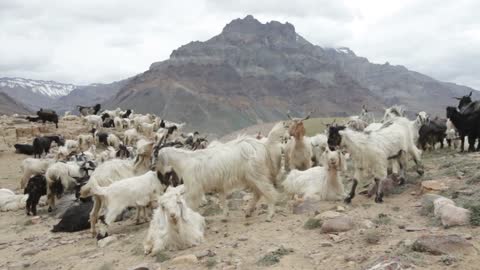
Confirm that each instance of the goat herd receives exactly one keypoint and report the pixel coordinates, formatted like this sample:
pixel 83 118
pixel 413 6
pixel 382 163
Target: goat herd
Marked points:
pixel 151 164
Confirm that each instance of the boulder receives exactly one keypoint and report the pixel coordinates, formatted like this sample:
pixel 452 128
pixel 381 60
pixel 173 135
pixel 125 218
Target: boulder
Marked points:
pixel 185 259
pixel 443 244
pixel 452 215
pixel 328 215
pixel 338 224
pixel 106 241
pixel 439 204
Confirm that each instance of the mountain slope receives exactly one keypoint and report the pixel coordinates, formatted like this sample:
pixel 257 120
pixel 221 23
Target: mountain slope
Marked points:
pixel 35 94
pixel 88 95
pixel 253 73
pixel 9 105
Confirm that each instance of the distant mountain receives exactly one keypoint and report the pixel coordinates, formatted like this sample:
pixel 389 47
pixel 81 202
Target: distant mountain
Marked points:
pixel 9 105
pixel 35 94
pixel 88 95
pixel 252 73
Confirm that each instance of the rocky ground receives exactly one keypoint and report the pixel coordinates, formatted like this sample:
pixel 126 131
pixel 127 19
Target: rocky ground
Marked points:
pixel 400 233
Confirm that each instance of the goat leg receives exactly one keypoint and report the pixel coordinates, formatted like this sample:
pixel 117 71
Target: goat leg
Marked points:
pixel 379 193
pixel 350 196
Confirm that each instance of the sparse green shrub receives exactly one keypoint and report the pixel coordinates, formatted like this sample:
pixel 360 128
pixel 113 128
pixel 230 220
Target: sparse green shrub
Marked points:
pixel 312 224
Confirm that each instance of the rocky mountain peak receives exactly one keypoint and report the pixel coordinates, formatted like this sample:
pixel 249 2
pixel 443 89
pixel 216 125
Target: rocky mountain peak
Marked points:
pixel 250 29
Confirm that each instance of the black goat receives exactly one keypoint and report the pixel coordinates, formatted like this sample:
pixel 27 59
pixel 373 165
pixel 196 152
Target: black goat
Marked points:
pixel 126 114
pixel 432 132
pixel 42 144
pixel 109 123
pixel 36 188
pixel 48 116
pixel 33 119
pixel 85 110
pixel 26 149
pixel 75 219
pixel 102 137
pixel 105 116
pixel 466 124
pixel 123 152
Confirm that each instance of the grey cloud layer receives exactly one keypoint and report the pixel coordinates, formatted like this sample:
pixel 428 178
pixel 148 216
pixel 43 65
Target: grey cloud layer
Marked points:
pixel 101 41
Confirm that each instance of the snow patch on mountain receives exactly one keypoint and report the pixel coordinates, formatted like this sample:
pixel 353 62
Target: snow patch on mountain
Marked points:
pixel 51 89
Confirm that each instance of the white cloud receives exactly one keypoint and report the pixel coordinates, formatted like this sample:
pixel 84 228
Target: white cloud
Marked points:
pixel 101 41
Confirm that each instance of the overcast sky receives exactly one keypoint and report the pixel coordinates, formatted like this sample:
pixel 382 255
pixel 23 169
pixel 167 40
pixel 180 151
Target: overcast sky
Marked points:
pixel 88 41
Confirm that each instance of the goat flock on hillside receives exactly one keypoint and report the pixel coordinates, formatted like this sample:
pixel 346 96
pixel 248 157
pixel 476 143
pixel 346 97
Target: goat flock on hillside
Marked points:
pixel 148 161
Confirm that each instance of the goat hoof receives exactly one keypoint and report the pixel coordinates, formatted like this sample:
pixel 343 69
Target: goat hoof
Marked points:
pixel 100 236
pixel 420 172
pixel 50 209
pixel 348 200
pixel 378 200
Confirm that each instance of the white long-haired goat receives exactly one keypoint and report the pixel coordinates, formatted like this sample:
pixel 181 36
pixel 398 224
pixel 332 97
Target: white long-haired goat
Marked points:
pixel 138 191
pixel 9 201
pixel 112 171
pixel 33 166
pixel 241 163
pixel 319 183
pixel 174 225
pixel 371 151
pixel 298 151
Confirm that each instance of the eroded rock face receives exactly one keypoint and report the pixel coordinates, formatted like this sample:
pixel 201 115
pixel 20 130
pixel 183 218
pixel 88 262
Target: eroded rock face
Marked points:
pixel 443 244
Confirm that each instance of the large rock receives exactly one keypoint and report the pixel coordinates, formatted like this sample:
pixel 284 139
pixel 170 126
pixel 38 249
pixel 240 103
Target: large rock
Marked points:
pixel 452 215
pixel 185 259
pixel 443 244
pixel 339 224
pixel 439 203
pixel 328 215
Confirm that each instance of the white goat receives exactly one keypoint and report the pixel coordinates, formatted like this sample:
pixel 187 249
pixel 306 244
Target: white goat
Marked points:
pixel 131 136
pixel 241 163
pixel 66 174
pixel 274 146
pixel 33 166
pixel 85 141
pixel 298 151
pixel 111 171
pixel 452 135
pixel 319 144
pixel 372 150
pixel 93 121
pixel 137 191
pixel 319 183
pixel 9 201
pixel 174 225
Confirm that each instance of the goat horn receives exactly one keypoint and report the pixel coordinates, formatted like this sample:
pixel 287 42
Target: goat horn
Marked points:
pixel 470 93
pixel 457 98
pixel 308 116
pixel 288 115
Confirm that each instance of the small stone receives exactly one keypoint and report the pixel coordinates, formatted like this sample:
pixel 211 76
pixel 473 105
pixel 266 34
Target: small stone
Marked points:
pixel 433 186
pixel 31 252
pixel 468 236
pixel 367 224
pixel 242 238
pixel 340 208
pixel 106 241
pixel 326 244
pixel 185 259
pixel 36 219
pixel 414 229
pixel 206 253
